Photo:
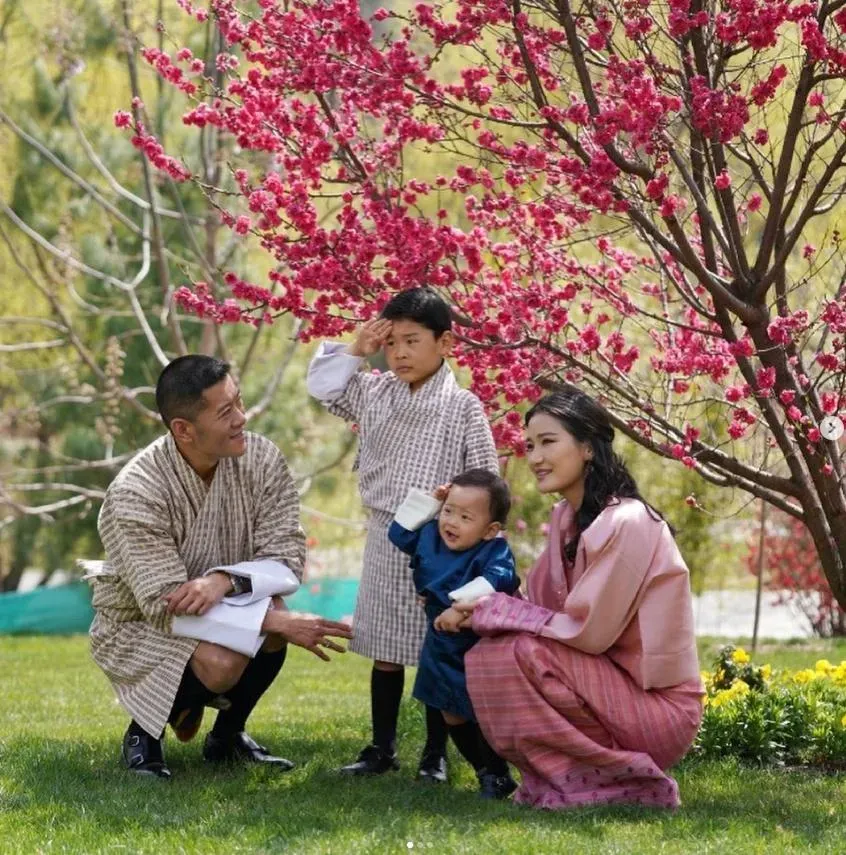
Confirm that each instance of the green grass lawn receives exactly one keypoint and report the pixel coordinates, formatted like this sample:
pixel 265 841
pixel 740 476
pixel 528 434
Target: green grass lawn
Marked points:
pixel 62 788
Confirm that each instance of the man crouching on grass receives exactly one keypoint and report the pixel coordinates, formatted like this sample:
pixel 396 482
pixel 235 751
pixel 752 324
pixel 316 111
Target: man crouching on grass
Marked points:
pixel 206 496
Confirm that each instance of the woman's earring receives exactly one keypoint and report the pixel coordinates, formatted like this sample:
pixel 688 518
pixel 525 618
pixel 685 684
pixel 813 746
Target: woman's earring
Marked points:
pixel 588 466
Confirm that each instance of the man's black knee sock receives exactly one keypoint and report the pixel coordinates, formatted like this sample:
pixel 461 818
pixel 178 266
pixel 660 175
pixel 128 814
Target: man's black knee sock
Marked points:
pixel 135 729
pixel 437 732
pixel 385 696
pixel 255 681
pixel 190 694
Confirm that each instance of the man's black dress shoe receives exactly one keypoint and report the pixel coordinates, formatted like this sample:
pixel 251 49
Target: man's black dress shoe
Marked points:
pixel 496 786
pixel 432 768
pixel 241 748
pixel 373 760
pixel 143 755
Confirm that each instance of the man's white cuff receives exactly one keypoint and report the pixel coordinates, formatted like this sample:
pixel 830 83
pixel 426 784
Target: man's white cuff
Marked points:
pixel 269 578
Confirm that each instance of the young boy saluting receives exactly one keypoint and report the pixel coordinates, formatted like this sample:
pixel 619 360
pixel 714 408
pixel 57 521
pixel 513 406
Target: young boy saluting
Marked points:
pixel 417 428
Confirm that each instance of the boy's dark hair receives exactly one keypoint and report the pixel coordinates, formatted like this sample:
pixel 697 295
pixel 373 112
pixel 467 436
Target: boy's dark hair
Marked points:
pixel 498 492
pixel 424 306
pixel 179 391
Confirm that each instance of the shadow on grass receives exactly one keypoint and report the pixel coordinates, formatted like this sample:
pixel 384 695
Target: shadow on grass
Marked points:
pixel 81 785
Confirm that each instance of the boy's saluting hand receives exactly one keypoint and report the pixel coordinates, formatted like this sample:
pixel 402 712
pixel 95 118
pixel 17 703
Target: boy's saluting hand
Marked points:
pixel 371 336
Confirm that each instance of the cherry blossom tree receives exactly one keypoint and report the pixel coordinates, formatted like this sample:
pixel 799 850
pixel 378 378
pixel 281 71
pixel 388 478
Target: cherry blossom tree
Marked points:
pixel 634 195
pixel 795 574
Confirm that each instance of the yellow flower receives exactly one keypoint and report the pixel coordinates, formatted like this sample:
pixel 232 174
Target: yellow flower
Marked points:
pixel 720 698
pixel 804 676
pixel 739 687
pixel 766 671
pixel 740 656
pixel 843 721
pixel 823 666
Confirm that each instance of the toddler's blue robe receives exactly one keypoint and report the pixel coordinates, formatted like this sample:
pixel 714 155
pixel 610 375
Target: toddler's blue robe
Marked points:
pixel 437 570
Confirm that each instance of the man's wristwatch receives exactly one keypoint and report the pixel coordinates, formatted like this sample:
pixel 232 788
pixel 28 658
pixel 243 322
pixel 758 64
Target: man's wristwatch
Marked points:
pixel 240 584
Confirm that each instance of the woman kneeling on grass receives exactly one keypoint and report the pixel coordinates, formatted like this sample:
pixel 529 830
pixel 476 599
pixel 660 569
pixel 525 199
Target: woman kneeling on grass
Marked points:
pixel 591 686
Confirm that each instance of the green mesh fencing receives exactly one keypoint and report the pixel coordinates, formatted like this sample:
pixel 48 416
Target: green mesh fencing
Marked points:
pixel 67 608
pixel 52 611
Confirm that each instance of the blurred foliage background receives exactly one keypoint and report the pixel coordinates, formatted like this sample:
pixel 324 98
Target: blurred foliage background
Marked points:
pixel 88 267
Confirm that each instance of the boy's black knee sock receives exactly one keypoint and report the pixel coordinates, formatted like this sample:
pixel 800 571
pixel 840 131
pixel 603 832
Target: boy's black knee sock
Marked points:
pixel 385 696
pixel 492 761
pixel 190 694
pixel 437 732
pixel 475 749
pixel 245 694
pixel 466 739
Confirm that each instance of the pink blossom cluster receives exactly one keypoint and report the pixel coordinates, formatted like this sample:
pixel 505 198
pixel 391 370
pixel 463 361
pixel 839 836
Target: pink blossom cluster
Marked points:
pixel 460 148
pixel 170 71
pixel 153 150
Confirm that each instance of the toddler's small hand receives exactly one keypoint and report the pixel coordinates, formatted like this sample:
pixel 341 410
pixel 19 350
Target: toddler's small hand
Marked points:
pixel 440 493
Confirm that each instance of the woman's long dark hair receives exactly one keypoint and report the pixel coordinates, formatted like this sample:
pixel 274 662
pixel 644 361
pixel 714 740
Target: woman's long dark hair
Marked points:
pixel 606 478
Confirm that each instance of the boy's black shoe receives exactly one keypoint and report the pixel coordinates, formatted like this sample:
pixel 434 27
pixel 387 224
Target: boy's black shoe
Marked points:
pixel 241 748
pixel 143 755
pixel 496 786
pixel 432 768
pixel 373 760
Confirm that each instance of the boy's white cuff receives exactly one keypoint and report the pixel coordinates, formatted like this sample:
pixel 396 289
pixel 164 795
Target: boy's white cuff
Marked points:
pixel 475 588
pixel 330 370
pixel 417 509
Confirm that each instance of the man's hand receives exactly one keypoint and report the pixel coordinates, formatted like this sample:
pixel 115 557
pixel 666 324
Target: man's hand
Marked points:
pixel 199 595
pixel 450 620
pixel 308 631
pixel 371 336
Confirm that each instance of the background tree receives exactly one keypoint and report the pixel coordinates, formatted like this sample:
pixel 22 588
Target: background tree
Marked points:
pixel 631 189
pixel 91 242
pixel 794 573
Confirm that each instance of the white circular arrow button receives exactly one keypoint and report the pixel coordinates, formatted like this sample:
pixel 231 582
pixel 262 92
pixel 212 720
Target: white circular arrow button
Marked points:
pixel 831 427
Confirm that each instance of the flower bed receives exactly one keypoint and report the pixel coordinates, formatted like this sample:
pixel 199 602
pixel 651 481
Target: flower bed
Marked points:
pixel 769 717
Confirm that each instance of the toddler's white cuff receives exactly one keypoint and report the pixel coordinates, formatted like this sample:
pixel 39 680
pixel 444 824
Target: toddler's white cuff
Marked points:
pixel 417 509
pixel 475 588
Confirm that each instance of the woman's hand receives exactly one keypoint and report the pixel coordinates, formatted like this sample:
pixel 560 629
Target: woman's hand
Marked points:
pixel 463 616
pixel 449 620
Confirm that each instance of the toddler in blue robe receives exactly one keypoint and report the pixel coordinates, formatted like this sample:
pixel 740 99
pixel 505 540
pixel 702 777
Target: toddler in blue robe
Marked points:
pixel 457 557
